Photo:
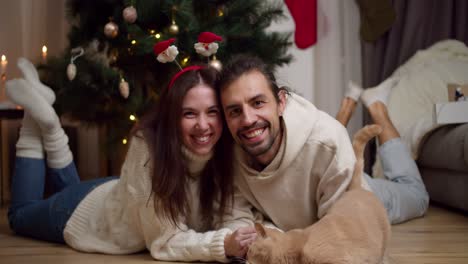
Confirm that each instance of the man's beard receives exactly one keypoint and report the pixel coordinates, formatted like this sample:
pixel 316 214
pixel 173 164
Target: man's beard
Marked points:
pixel 261 147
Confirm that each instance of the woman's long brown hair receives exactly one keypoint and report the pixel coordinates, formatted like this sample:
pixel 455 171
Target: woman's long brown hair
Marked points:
pixel 162 132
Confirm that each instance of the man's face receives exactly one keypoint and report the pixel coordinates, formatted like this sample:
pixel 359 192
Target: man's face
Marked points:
pixel 253 115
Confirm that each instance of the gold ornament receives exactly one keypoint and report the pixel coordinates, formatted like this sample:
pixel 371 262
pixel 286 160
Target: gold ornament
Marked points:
pixel 124 88
pixel 174 28
pixel 216 64
pixel 111 30
pixel 220 11
pixel 130 14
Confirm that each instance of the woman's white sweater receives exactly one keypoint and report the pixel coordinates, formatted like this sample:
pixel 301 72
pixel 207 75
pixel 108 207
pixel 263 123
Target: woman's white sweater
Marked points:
pixel 118 217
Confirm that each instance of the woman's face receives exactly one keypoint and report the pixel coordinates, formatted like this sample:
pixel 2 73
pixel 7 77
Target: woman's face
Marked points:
pixel 201 122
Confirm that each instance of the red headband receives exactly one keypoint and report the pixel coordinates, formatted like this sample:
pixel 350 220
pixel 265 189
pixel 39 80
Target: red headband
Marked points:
pixel 186 69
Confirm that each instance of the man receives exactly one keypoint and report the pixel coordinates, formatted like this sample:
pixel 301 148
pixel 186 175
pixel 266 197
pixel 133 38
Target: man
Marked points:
pixel 292 161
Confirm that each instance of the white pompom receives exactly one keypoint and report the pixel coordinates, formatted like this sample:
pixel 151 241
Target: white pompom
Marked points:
pixel 71 71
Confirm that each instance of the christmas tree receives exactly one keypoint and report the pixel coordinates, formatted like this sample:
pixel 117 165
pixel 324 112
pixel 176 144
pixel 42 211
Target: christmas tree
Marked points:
pixel 109 74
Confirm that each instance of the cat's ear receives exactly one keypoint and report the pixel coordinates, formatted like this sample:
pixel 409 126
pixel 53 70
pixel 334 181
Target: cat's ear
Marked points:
pixel 260 230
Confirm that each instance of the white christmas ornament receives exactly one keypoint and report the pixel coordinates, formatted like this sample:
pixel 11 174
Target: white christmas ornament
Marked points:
pixel 168 55
pixel 71 71
pixel 71 68
pixel 124 88
pixel 130 14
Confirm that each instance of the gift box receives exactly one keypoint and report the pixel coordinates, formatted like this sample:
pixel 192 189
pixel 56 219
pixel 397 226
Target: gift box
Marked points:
pixel 451 112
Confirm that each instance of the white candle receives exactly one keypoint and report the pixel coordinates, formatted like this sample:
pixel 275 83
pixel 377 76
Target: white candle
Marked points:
pixel 3 64
pixel 44 53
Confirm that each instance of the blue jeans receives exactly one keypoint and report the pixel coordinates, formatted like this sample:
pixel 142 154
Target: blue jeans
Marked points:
pixel 402 192
pixel 33 216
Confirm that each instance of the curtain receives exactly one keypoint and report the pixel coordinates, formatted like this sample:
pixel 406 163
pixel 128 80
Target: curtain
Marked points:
pixel 418 25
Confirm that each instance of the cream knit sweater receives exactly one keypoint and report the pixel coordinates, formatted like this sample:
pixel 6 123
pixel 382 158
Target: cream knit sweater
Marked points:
pixel 118 217
pixel 312 169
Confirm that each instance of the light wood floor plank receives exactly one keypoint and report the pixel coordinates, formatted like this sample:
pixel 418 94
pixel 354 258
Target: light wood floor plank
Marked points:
pixel 439 237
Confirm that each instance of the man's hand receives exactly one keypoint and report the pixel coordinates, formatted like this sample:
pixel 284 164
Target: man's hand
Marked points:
pixel 237 243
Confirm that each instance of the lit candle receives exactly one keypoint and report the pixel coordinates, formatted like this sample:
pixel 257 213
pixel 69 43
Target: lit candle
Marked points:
pixel 44 53
pixel 3 64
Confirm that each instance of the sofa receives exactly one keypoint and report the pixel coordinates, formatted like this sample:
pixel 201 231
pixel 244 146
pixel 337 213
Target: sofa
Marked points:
pixel 443 163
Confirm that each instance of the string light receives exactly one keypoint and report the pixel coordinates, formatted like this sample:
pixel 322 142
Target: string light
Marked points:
pixel 185 60
pixel 158 36
pixel 134 42
pixel 220 12
pixel 152 31
pixel 132 117
pixel 124 141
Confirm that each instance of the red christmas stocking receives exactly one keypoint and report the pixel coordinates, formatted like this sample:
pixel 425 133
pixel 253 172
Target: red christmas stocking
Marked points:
pixel 304 13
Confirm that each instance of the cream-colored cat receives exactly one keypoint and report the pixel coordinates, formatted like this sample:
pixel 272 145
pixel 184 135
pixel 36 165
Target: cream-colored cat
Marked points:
pixel 354 231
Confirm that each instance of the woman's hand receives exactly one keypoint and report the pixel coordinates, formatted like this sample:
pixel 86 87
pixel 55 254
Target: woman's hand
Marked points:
pixel 237 243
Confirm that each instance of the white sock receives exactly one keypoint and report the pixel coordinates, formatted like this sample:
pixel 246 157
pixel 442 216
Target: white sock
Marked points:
pixel 30 74
pixel 29 144
pixel 380 92
pixel 21 92
pixel 54 139
pixel 354 91
pixel 56 145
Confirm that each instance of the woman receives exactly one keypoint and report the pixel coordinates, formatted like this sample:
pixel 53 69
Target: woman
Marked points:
pixel 163 201
pixel 402 191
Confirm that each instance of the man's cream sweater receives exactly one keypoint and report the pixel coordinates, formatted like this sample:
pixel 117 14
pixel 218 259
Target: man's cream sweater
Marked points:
pixel 118 217
pixel 312 169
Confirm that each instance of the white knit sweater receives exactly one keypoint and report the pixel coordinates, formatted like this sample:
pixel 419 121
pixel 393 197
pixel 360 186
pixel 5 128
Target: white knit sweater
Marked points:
pixel 312 169
pixel 118 217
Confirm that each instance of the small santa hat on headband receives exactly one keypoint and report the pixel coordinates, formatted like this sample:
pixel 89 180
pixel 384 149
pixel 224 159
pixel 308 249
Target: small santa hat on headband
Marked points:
pixel 165 51
pixel 206 44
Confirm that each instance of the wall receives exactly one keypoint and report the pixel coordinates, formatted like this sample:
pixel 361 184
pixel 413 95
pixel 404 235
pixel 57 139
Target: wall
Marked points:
pixel 298 75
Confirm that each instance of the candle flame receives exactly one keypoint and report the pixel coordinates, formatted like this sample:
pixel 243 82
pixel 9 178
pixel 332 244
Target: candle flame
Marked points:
pixel 3 58
pixel 44 49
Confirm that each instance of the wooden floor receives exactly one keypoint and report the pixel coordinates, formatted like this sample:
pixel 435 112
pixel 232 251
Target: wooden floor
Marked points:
pixel 440 237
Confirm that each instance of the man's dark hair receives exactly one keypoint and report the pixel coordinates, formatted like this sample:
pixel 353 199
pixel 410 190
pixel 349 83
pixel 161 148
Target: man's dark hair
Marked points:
pixel 242 64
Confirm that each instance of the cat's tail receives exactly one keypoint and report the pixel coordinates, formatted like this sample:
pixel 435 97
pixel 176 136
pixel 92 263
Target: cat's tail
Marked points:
pixel 359 143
